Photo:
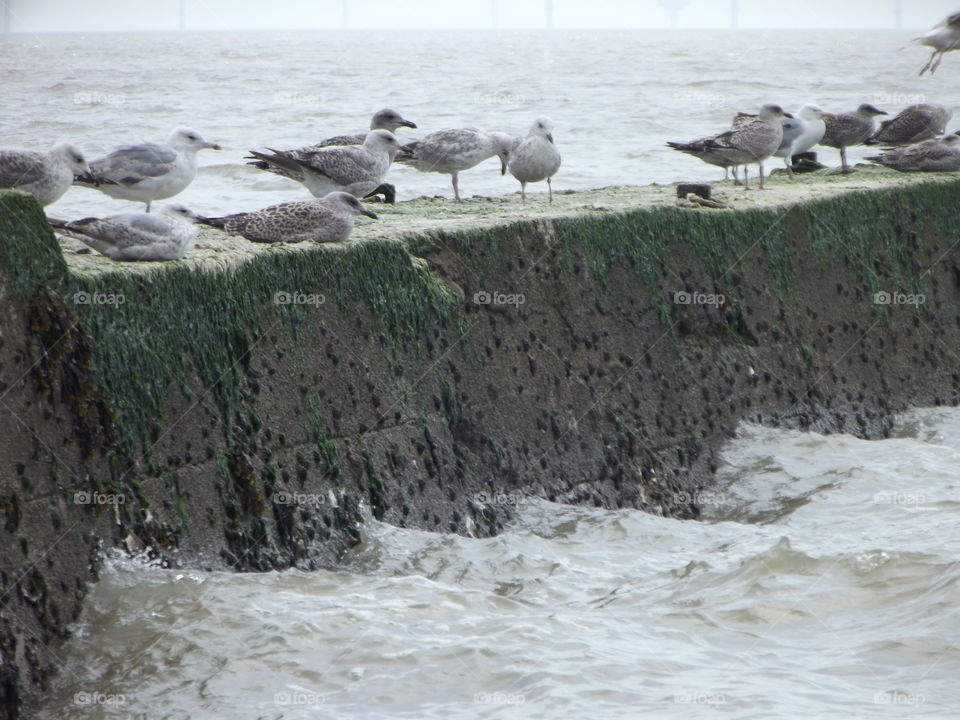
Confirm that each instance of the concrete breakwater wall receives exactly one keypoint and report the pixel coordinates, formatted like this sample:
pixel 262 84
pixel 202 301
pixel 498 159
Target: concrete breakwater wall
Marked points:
pixel 252 407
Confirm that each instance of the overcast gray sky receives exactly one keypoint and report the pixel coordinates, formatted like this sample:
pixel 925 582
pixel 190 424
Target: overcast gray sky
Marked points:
pixel 85 15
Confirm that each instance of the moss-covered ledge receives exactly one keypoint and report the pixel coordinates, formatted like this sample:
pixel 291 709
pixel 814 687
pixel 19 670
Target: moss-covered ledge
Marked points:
pixel 251 405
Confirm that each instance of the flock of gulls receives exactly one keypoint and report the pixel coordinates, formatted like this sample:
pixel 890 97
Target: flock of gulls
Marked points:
pixel 339 172
pixel 343 170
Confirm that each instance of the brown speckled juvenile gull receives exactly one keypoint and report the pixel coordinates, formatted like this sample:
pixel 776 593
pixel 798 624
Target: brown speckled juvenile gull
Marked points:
pixel 356 169
pixel 752 139
pixel 148 171
pixel 705 149
pixel 167 235
pixel 456 149
pixel 849 129
pixel 535 158
pixel 45 175
pixel 917 123
pixel 943 38
pixel 941 155
pixel 328 219
pixel 385 119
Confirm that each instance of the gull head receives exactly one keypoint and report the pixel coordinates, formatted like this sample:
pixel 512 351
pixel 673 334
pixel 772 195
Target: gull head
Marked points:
pixel 388 119
pixel 179 211
pixel 72 157
pixel 503 145
pixel 772 110
pixel 812 112
pixel 383 141
pixel 187 139
pixel 868 110
pixel 349 203
pixel 542 127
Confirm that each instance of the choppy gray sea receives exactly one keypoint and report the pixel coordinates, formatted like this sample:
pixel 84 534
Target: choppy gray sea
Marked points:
pixel 615 97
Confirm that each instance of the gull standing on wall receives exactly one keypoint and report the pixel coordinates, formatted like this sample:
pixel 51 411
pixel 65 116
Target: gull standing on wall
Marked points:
pixel 536 157
pixel 148 171
pixel 45 175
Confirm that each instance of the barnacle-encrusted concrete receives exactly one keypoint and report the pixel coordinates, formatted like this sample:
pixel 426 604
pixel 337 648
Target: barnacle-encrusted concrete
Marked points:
pixel 251 405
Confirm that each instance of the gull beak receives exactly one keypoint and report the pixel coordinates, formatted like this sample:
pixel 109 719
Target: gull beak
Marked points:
pixel 406 149
pixel 503 165
pixel 788 115
pixel 212 146
pixel 368 213
pixel 830 116
pixel 409 124
pixel 550 137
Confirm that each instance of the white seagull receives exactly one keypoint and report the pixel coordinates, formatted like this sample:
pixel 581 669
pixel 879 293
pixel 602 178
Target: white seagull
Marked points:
pixel 943 38
pixel 167 235
pixel 148 171
pixel 536 157
pixel 454 150
pixel 45 175
pixel 801 133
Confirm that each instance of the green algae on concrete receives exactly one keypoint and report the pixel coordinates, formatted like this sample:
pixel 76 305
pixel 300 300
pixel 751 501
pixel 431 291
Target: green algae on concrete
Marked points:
pixel 202 315
pixel 29 254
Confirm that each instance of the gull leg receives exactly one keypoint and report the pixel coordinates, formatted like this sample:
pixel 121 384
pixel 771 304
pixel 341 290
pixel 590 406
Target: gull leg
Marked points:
pixel 456 187
pixel 736 176
pixel 550 189
pixel 843 159
pixel 148 206
pixel 936 64
pixel 746 177
pixel 761 174
pixel 789 161
pixel 523 192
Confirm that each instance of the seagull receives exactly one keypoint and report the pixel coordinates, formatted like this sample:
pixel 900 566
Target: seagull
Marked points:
pixel 166 235
pixel 801 133
pixel 148 171
pixel 943 38
pixel 917 123
pixel 323 220
pixel 45 175
pixel 849 129
pixel 454 150
pixel 939 155
pixel 356 169
pixel 753 139
pixel 385 119
pixel 705 149
pixel 535 158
